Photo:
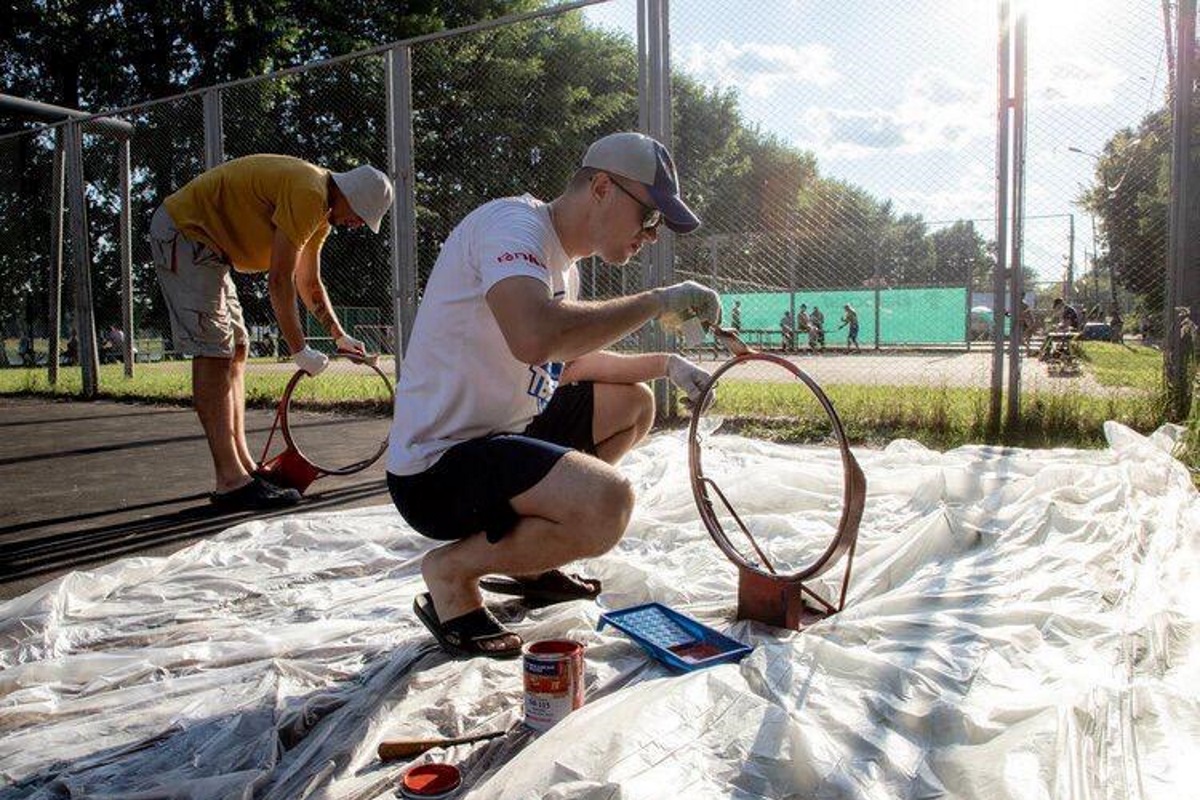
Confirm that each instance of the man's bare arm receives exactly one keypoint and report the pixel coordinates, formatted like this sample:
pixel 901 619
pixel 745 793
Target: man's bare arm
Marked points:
pixel 539 329
pixel 603 366
pixel 284 258
pixel 312 291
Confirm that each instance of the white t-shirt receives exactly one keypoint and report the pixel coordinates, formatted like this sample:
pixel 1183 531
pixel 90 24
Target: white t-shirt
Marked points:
pixel 459 381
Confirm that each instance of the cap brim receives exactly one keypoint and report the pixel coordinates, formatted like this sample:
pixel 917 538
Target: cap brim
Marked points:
pixel 676 215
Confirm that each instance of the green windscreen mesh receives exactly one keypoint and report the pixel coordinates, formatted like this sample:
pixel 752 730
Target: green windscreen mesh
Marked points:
pixel 903 316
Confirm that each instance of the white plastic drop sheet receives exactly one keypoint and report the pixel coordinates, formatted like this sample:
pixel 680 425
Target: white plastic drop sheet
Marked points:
pixel 1021 624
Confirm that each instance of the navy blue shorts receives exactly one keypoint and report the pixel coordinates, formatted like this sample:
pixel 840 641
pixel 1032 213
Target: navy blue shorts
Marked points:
pixel 469 488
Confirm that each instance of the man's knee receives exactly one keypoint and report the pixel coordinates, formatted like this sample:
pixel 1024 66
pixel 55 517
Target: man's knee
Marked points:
pixel 606 511
pixel 644 399
pixel 641 407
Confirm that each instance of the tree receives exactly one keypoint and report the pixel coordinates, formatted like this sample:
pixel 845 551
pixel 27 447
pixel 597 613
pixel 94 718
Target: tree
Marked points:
pixel 137 51
pixel 1130 197
pixel 961 256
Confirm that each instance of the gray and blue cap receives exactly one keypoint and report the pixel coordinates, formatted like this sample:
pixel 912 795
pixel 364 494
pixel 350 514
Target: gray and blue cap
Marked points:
pixel 645 160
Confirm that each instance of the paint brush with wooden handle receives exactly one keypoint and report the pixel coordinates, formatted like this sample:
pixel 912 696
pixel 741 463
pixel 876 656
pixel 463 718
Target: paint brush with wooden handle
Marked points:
pixel 397 749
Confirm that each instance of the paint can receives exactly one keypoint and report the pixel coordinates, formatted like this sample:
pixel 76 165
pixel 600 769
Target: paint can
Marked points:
pixel 553 681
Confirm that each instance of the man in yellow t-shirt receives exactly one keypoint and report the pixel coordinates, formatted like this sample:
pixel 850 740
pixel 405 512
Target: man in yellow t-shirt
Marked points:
pixel 261 213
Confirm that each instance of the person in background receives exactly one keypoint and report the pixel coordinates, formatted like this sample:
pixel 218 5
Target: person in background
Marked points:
pixel 850 317
pixel 787 332
pixel 25 350
pixel 510 413
pixel 804 324
pixel 71 354
pixel 1116 322
pixel 1028 326
pixel 1068 315
pixel 264 214
pixel 735 315
pixel 816 324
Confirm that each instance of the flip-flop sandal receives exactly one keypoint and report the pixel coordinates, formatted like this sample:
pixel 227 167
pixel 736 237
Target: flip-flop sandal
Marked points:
pixel 468 635
pixel 553 586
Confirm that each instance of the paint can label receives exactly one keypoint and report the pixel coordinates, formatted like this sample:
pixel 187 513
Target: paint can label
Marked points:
pixel 553 681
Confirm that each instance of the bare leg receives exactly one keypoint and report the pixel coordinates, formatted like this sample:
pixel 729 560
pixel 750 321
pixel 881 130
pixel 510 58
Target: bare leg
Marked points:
pixel 213 399
pixel 621 418
pixel 550 533
pixel 237 382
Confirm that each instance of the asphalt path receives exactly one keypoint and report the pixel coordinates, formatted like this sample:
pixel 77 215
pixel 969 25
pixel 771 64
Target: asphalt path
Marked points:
pixel 84 483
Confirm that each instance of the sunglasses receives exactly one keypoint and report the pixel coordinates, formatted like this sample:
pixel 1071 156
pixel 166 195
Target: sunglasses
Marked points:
pixel 651 216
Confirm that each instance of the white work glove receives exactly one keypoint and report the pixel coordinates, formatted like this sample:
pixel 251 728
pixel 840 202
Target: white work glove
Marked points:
pixel 348 344
pixel 691 379
pixel 311 361
pixel 685 300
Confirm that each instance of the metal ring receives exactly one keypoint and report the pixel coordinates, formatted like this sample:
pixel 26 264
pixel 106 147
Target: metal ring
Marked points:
pixel 285 413
pixel 854 482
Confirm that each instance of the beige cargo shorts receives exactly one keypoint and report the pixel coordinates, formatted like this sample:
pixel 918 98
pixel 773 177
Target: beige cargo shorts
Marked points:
pixel 206 316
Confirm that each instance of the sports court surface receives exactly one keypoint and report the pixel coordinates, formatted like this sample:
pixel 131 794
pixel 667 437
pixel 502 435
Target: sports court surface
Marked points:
pixel 88 482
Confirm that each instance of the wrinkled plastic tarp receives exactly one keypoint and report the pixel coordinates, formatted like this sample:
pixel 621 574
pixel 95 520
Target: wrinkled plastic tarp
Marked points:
pixel 1020 624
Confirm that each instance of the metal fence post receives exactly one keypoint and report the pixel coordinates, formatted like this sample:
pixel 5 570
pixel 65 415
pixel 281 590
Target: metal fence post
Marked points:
pixel 126 238
pixel 1183 273
pixel 404 215
pixel 654 118
pixel 214 129
pixel 85 323
pixel 1016 270
pixel 56 255
pixel 998 276
pixel 969 282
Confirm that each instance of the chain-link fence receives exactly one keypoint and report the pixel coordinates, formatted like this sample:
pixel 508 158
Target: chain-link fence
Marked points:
pixel 843 158
pixel 26 175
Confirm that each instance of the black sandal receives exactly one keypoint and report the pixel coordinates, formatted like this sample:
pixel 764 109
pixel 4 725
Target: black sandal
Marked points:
pixel 552 586
pixel 476 633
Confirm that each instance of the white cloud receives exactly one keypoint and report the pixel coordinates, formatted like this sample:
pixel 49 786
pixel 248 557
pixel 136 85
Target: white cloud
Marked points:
pixel 1074 80
pixel 758 69
pixel 936 110
pixel 972 196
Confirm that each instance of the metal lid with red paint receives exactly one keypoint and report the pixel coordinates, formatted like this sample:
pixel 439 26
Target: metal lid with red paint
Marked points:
pixel 430 781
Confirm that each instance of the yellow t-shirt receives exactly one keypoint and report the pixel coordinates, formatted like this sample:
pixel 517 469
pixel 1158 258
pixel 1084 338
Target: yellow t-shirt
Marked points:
pixel 236 207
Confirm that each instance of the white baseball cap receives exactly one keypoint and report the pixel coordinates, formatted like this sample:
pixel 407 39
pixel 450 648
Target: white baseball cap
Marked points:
pixel 645 160
pixel 368 191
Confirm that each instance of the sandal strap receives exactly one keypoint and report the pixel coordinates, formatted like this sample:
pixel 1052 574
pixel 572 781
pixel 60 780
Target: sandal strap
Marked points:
pixel 474 627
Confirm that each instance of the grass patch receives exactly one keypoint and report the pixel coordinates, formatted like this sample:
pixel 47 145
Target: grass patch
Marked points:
pixel 171 382
pixel 1132 366
pixel 938 417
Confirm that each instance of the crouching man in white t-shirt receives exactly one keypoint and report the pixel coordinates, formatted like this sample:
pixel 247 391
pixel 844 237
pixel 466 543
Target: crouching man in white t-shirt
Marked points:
pixel 510 414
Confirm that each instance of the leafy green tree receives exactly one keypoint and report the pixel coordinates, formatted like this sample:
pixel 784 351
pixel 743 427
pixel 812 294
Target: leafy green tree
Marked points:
pixel 961 256
pixel 1130 198
pixel 906 255
pixel 140 50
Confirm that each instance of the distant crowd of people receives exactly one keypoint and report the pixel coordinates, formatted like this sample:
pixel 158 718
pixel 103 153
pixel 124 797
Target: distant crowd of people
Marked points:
pixel 811 324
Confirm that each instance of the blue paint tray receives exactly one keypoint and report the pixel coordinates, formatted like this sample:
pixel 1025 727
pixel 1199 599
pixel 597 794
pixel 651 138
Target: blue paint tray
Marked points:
pixel 675 639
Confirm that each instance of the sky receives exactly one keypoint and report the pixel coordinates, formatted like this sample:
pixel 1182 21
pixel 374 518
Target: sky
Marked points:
pixel 899 97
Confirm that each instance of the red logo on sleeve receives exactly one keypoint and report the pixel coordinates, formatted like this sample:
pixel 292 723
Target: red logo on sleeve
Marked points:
pixel 528 257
